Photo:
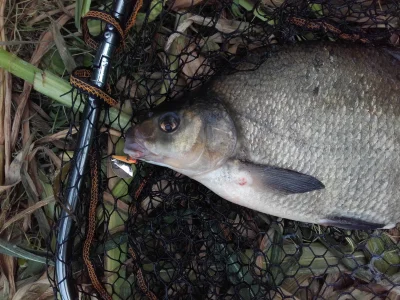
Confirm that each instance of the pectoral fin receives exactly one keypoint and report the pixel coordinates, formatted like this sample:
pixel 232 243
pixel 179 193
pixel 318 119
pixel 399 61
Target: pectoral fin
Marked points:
pixel 283 180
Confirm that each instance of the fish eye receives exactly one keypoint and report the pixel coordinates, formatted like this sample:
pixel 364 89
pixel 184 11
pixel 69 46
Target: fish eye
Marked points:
pixel 169 122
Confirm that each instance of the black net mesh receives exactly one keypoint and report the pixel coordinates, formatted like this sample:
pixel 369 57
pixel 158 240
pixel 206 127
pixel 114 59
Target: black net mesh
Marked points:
pixel 161 235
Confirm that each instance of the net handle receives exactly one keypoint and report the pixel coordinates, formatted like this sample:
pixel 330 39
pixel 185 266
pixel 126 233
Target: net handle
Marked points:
pixel 110 42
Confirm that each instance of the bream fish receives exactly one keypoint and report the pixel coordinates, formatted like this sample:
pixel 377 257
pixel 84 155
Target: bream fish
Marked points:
pixel 313 135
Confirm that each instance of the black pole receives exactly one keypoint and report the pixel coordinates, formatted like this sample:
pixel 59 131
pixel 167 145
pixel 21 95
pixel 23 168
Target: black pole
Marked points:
pixel 90 118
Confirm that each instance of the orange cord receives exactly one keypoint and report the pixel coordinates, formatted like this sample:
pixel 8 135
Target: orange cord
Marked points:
pixel 140 278
pixel 99 15
pixel 139 274
pixel 132 19
pixel 318 25
pixel 79 79
pixel 94 197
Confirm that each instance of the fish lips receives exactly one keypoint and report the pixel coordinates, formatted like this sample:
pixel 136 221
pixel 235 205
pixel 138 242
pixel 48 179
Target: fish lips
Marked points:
pixel 134 145
pixel 135 150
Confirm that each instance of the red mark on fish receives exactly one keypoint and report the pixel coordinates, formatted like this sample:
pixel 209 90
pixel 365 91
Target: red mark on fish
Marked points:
pixel 242 181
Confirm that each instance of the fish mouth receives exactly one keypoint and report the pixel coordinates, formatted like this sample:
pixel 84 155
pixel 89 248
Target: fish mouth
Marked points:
pixel 134 146
pixel 135 150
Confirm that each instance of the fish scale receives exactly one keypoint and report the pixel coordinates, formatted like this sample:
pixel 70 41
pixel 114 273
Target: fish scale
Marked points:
pixel 312 113
pixel 335 155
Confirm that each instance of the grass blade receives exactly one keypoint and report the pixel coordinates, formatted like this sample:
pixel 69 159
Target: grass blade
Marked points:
pixel 33 200
pixel 52 86
pixel 10 249
pixel 62 48
pixel 8 267
pixel 82 7
pixel 27 211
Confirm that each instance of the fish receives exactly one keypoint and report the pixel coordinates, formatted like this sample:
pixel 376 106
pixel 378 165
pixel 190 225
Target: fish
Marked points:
pixel 312 135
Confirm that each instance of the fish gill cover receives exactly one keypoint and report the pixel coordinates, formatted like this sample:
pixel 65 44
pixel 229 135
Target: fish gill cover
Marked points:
pixel 160 235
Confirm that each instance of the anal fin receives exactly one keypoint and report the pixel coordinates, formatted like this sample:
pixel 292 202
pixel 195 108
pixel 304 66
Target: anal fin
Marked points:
pixel 350 223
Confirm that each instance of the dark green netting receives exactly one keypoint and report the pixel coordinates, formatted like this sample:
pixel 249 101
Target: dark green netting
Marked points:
pixel 187 242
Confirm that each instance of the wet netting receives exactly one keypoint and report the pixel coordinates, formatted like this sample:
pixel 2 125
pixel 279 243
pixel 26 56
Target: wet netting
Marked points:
pixel 156 234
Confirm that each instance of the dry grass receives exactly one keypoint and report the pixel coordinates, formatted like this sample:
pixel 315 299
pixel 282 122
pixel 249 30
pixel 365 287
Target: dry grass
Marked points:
pixel 29 159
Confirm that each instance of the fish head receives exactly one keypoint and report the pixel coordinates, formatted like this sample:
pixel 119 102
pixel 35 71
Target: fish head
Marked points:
pixel 191 140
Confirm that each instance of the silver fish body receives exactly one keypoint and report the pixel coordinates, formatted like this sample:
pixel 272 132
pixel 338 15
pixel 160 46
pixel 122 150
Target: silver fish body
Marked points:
pixel 327 111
